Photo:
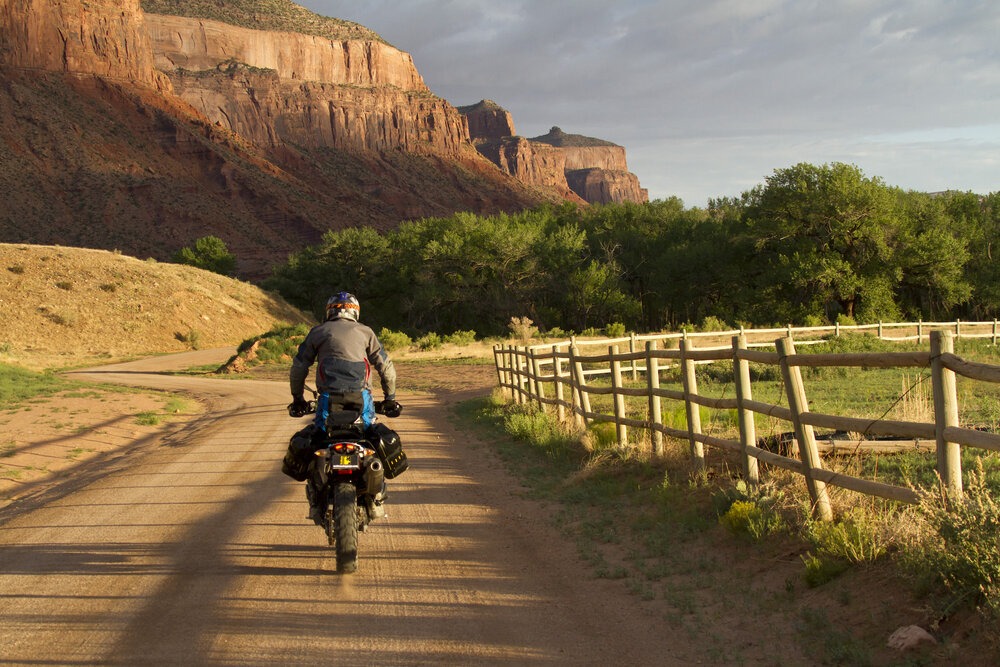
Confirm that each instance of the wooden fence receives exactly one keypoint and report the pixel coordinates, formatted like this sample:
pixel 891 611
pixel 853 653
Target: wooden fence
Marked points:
pixel 556 377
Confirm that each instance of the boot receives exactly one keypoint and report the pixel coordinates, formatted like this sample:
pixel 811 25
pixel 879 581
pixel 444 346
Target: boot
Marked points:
pixel 315 505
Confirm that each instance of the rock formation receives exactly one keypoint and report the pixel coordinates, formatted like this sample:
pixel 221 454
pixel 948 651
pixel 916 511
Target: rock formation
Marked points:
pixel 593 169
pixel 79 37
pixel 143 132
pixel 309 91
pixel 488 121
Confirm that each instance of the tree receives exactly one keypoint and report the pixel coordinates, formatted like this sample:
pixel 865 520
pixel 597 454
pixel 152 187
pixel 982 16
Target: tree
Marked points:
pixel 823 241
pixel 209 253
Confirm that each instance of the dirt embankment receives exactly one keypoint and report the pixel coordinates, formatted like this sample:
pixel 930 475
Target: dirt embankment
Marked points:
pixel 64 306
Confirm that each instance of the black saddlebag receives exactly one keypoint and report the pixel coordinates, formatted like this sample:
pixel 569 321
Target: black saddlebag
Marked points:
pixel 389 450
pixel 299 454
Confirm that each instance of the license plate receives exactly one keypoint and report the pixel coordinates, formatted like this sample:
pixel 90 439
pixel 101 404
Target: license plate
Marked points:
pixel 344 461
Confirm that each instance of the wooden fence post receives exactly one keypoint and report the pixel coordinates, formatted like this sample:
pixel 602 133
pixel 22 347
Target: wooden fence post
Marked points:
pixel 580 385
pixel 744 392
pixel 949 454
pixel 693 411
pixel 522 378
pixel 880 329
pixel 536 372
pixel 808 452
pixel 631 349
pixel 557 372
pixel 655 407
pixel 994 331
pixel 619 399
pixel 920 331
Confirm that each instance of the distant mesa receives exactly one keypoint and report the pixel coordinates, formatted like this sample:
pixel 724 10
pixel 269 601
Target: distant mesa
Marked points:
pixel 593 169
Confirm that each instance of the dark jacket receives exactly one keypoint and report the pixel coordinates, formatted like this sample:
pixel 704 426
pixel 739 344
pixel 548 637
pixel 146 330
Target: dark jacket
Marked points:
pixel 345 351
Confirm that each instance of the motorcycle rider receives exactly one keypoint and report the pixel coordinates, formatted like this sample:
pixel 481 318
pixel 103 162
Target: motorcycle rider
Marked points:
pixel 345 351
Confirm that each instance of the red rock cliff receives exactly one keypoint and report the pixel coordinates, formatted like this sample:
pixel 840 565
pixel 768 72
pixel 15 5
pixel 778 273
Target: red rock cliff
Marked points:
pixel 99 37
pixel 198 44
pixel 286 88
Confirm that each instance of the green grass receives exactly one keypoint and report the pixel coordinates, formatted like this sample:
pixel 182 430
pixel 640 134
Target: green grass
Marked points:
pixel 18 385
pixel 149 418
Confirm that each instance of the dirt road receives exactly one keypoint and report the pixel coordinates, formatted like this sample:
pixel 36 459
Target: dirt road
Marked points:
pixel 197 552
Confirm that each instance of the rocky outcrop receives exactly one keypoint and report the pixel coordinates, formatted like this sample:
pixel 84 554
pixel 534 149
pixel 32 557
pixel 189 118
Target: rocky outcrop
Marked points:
pixel 593 169
pixel 272 112
pixel 100 37
pixel 488 121
pixel 605 186
pixel 530 163
pixel 199 45
pixel 596 169
pixel 283 88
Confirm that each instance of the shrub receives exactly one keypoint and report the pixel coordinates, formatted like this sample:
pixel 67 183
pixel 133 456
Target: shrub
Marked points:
pixel 394 340
pixel 209 253
pixel 614 330
pixel 429 341
pixel 461 338
pixel 755 520
pixel 192 338
pixel 523 329
pixel 821 570
pixel 712 323
pixel 857 538
pixel 961 547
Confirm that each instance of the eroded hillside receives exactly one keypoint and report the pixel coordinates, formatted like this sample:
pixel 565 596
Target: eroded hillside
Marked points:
pixel 62 305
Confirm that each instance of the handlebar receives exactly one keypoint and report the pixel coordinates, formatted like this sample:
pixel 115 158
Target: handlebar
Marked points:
pixel 393 409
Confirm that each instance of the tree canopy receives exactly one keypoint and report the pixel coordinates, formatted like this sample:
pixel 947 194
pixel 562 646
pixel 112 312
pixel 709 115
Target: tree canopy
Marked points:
pixel 812 244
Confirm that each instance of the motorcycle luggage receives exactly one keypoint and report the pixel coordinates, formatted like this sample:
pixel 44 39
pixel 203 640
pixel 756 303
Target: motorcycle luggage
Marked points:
pixel 389 449
pixel 299 454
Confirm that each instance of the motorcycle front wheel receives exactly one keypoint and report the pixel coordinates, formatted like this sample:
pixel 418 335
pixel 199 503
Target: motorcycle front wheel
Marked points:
pixel 345 527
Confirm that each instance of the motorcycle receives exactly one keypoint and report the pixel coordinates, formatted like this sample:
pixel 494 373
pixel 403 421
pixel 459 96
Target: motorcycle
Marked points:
pixel 346 476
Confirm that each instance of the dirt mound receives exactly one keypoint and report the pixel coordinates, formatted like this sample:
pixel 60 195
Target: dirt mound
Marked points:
pixel 61 306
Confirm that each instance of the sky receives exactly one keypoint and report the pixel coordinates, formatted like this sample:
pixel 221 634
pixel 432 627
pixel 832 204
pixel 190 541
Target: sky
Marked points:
pixel 710 97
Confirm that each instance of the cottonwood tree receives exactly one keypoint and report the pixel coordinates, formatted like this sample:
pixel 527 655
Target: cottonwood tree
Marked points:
pixel 823 242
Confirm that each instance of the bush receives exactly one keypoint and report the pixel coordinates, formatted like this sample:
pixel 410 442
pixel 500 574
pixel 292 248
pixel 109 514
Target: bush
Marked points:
pixel 523 329
pixel 429 341
pixel 209 253
pixel 394 340
pixel 461 338
pixel 614 330
pixel 857 538
pixel 712 323
pixel 753 520
pixel 961 548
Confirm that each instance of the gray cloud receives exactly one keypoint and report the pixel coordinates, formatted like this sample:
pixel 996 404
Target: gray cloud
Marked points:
pixel 710 96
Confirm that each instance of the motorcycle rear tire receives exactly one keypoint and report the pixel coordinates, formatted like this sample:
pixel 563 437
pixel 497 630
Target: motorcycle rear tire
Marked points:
pixel 345 527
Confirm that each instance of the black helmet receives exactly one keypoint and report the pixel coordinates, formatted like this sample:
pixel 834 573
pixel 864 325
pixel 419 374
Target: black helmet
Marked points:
pixel 343 305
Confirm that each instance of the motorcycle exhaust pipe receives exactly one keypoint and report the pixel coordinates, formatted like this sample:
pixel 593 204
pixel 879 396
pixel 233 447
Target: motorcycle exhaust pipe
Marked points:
pixel 374 477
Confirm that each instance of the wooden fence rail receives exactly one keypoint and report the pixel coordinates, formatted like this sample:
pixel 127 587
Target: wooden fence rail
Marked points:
pixel 559 376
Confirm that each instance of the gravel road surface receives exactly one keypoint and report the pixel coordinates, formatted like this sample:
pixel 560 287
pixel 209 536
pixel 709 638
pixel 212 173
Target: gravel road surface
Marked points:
pixel 196 552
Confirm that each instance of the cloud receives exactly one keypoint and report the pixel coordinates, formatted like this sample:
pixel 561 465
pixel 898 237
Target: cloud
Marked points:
pixel 711 95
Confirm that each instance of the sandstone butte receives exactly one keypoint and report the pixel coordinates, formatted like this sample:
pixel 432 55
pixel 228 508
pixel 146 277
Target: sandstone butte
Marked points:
pixel 257 110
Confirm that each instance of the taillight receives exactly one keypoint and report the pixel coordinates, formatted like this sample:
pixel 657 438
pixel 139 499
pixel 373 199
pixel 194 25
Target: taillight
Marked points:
pixel 344 447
